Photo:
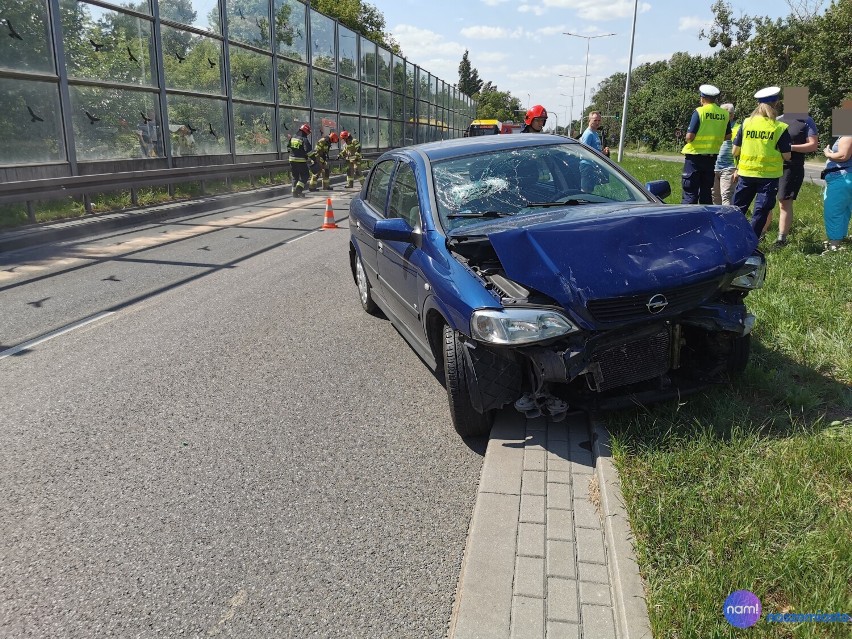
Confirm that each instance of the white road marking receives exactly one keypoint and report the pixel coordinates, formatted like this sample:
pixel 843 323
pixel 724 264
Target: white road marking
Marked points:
pixel 55 333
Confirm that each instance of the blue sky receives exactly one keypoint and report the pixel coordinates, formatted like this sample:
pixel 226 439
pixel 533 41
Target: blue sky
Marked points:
pixel 520 46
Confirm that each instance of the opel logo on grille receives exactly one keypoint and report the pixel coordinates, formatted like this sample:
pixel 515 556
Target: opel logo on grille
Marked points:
pixel 657 304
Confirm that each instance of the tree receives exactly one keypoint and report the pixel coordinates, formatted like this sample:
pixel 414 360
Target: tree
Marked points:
pixel 726 29
pixel 495 104
pixel 362 18
pixel 469 82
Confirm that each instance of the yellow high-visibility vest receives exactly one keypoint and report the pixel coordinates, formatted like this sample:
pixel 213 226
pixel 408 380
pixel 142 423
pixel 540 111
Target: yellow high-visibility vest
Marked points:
pixel 711 131
pixel 758 155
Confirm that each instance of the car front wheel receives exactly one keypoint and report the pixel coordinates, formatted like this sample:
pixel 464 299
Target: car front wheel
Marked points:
pixel 467 421
pixel 365 290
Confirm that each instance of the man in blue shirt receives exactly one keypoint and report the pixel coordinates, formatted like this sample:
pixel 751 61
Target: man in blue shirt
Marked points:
pixel 590 136
pixel 590 173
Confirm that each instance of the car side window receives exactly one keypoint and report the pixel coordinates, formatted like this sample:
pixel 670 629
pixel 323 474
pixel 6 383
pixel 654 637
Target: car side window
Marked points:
pixel 404 202
pixel 377 190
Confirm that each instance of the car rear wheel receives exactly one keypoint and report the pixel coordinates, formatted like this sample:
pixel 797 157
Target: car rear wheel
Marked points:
pixel 740 350
pixel 467 421
pixel 365 290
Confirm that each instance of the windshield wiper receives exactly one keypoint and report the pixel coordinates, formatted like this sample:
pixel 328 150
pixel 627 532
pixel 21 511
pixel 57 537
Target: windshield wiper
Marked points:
pixel 480 214
pixel 565 202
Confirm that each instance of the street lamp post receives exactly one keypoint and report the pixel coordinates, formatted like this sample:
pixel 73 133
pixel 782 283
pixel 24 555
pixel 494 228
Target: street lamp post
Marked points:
pixel 627 86
pixel 586 77
pixel 565 106
pixel 571 121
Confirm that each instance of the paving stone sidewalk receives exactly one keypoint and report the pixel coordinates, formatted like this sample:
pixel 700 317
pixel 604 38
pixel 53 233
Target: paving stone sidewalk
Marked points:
pixel 548 554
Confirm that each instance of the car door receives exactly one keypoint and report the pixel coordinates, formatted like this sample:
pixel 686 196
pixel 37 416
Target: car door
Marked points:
pixel 399 261
pixel 366 212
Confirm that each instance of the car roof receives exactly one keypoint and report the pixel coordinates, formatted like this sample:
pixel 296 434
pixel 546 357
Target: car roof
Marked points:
pixel 458 147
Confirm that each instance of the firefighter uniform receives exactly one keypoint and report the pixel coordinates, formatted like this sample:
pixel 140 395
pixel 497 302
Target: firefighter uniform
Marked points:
pixel 710 124
pixel 299 146
pixel 761 141
pixel 320 167
pixel 352 154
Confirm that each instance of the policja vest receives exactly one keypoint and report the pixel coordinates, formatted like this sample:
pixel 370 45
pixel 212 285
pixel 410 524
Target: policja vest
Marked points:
pixel 711 131
pixel 759 158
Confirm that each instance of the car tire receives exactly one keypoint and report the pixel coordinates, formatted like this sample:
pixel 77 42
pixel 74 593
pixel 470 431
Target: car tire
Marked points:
pixel 740 351
pixel 365 289
pixel 467 421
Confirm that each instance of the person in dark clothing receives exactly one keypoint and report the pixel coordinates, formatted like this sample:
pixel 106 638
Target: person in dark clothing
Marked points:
pixel 804 138
pixel 299 147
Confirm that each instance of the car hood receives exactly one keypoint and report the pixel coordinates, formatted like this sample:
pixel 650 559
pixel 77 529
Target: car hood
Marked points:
pixel 574 256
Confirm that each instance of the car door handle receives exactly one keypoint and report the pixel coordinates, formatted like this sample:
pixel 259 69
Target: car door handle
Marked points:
pixel 379 246
pixel 358 224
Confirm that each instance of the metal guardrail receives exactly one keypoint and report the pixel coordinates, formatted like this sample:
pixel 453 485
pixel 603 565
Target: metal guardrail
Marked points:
pixel 30 191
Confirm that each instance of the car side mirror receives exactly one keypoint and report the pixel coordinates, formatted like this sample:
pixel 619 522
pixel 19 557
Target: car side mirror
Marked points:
pixel 393 229
pixel 661 188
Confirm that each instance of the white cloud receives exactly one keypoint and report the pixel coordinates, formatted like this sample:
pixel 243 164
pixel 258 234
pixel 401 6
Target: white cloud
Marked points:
pixel 549 31
pixel 494 3
pixel 485 33
pixel 490 57
pixel 531 8
pixel 431 51
pixel 693 23
pixel 596 10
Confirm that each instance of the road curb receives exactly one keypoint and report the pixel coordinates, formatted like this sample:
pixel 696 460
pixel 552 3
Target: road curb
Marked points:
pixel 631 609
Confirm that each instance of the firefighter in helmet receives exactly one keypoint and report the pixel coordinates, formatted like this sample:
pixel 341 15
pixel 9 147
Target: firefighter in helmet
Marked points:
pixel 319 167
pixel 352 154
pixel 299 146
pixel 535 119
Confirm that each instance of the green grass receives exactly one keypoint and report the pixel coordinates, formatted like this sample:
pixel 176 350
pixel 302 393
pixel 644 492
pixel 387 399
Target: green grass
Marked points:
pixel 749 485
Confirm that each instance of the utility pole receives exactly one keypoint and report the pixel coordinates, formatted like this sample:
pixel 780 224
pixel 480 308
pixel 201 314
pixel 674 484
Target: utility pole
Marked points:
pixel 586 77
pixel 627 86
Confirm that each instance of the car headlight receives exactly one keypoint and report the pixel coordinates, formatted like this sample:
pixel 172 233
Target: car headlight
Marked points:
pixel 751 274
pixel 518 325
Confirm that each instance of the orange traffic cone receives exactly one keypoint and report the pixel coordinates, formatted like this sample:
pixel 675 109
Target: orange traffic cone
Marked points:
pixel 329 216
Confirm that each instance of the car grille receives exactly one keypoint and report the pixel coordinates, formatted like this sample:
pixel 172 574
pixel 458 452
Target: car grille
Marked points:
pixel 633 307
pixel 632 362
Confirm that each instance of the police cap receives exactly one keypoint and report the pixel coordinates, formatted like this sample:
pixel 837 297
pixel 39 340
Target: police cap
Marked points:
pixel 768 94
pixel 708 91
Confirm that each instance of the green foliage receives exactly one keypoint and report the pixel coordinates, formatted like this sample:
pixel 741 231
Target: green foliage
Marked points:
pixel 494 104
pixel 469 81
pixel 749 485
pixel 362 18
pixel 804 49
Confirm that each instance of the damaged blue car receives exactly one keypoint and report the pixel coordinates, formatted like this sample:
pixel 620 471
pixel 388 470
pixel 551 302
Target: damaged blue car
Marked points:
pixel 534 272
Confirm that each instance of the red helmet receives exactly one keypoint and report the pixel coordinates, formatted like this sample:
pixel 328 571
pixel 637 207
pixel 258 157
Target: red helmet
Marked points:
pixel 535 111
pixel 305 128
pixel 344 135
pixel 332 137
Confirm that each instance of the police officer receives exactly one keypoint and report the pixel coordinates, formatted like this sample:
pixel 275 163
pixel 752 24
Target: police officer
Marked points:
pixel 299 147
pixel 762 144
pixel 352 154
pixel 320 162
pixel 709 126
pixel 535 119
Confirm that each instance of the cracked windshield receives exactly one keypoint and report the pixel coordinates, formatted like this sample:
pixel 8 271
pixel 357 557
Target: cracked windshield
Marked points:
pixel 524 181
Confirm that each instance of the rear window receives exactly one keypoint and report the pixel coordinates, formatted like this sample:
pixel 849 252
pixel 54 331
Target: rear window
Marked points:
pixel 475 130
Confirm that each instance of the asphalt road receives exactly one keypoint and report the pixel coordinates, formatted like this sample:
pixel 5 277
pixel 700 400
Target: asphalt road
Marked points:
pixel 229 447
